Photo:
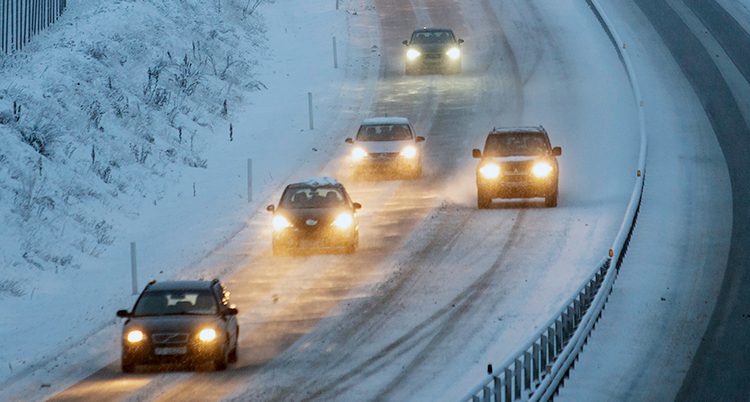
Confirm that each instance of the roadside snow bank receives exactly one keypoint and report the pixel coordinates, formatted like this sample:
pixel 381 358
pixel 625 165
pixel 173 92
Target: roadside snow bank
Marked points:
pixel 103 111
pixel 183 215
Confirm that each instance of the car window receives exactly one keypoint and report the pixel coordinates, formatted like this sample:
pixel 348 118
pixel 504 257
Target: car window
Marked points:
pixel 521 144
pixel 432 37
pixel 175 302
pixel 384 132
pixel 312 197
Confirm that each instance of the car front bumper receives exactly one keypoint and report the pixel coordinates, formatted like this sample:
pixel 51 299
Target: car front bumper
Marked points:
pixel 193 352
pixel 518 187
pixel 314 239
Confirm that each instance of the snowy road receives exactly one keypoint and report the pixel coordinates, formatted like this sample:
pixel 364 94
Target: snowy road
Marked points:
pixel 438 289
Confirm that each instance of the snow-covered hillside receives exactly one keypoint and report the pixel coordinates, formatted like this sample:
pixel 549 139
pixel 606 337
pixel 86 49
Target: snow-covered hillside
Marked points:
pixel 102 111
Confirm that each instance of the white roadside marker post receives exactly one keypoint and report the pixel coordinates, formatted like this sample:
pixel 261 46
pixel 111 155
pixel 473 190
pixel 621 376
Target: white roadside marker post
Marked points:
pixel 249 180
pixel 335 55
pixel 133 268
pixel 310 109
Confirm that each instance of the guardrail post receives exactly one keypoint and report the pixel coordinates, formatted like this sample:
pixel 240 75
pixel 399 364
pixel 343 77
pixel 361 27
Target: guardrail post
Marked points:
pixel 544 346
pixel 559 334
pixel 517 370
pixel 526 370
pixel 536 350
pixel 486 394
pixel 551 351
pixel 498 388
pixel 507 384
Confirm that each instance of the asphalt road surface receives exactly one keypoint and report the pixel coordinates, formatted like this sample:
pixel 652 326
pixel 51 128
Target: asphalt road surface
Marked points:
pixel 436 283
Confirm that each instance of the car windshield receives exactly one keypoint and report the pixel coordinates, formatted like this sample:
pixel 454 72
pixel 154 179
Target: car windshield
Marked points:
pixel 432 37
pixel 163 302
pixel 312 197
pixel 384 132
pixel 521 144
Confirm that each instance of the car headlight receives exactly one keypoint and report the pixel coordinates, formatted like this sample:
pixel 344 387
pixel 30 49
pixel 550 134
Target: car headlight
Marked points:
pixel 280 223
pixel 490 171
pixel 135 336
pixel 409 152
pixel 358 154
pixel 541 169
pixel 344 221
pixel 207 335
pixel 454 53
pixel 412 54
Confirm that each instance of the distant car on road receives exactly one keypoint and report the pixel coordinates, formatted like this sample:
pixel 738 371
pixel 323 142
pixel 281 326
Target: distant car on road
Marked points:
pixel 433 50
pixel 315 214
pixel 180 321
pixel 386 144
pixel 517 163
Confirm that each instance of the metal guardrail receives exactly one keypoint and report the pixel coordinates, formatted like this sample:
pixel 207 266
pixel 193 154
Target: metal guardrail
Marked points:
pixel 538 369
pixel 22 19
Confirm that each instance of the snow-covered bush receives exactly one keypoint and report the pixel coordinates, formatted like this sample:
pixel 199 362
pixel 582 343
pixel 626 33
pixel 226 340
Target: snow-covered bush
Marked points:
pixel 96 111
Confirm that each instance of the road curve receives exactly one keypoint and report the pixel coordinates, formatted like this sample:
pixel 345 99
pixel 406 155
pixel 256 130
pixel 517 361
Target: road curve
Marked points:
pixel 437 284
pixel 719 370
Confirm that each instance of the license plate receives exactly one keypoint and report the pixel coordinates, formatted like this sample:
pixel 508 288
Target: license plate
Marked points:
pixel 170 351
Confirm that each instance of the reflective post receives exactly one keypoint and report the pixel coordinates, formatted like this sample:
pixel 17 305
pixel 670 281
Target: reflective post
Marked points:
pixel 310 109
pixel 133 268
pixel 249 180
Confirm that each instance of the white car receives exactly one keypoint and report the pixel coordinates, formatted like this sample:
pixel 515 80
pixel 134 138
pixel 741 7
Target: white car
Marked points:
pixel 386 145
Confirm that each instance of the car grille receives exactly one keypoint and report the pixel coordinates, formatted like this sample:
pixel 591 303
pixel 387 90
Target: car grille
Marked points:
pixel 384 155
pixel 169 339
pixel 433 56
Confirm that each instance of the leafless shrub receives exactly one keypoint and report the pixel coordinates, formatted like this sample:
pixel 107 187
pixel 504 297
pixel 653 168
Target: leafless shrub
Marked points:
pixel 12 288
pixel 140 153
pixel 153 93
pixel 187 75
pixel 196 162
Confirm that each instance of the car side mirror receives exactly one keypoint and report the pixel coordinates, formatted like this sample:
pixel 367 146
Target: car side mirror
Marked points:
pixel 232 311
pixel 271 208
pixel 476 154
pixel 419 138
pixel 405 43
pixel 356 205
pixel 123 313
pixel 556 151
pixel 460 41
pixel 349 141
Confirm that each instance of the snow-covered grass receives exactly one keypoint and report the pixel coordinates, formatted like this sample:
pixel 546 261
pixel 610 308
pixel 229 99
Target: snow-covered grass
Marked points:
pixel 115 169
pixel 103 111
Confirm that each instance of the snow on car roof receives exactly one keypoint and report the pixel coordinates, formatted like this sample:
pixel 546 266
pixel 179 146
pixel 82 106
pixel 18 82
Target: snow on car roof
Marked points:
pixel 319 182
pixel 505 130
pixel 375 121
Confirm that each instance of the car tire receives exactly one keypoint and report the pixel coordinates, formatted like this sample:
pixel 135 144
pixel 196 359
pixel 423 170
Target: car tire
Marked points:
pixel 221 362
pixel 483 199
pixel 127 365
pixel 232 358
pixel 417 172
pixel 277 249
pixel 551 200
pixel 351 248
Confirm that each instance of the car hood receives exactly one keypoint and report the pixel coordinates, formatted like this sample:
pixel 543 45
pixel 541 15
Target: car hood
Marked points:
pixel 374 147
pixel 434 48
pixel 172 323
